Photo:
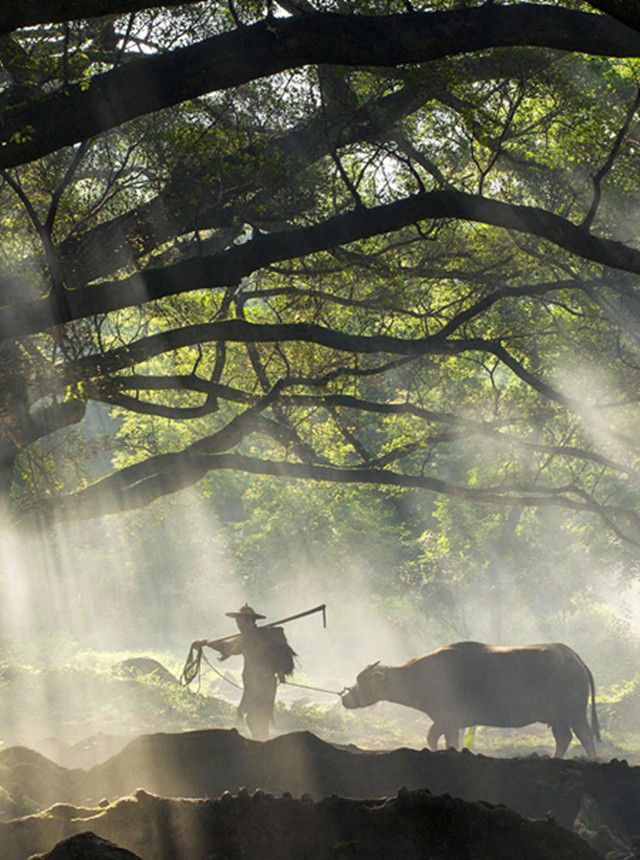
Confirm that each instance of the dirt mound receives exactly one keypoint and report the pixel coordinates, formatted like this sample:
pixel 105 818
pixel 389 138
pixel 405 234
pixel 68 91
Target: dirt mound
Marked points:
pixel 86 753
pixel 33 780
pixel 8 806
pixel 86 846
pixel 206 763
pixel 411 826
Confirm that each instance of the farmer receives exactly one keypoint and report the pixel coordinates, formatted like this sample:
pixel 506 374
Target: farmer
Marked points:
pixel 268 658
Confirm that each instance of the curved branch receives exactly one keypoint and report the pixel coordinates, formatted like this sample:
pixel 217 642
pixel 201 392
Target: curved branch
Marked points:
pixel 169 473
pixel 27 13
pixel 227 268
pixel 524 291
pixel 236 395
pixel 626 11
pixel 331 299
pixel 150 382
pixel 468 426
pixel 239 331
pixel 147 407
pixel 231 59
pixel 221 199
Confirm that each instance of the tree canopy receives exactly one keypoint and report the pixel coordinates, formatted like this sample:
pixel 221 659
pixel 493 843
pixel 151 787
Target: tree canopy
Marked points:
pixel 353 242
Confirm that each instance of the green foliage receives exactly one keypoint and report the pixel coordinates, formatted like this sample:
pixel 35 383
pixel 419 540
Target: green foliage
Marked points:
pixel 523 127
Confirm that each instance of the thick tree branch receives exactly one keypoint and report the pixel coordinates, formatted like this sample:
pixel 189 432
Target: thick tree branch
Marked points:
pixel 168 473
pixel 263 49
pixel 232 196
pixel 465 427
pixel 149 382
pixel 147 407
pixel 229 267
pixel 27 13
pixel 239 331
pixel 115 243
pixel 626 11
pixel 346 401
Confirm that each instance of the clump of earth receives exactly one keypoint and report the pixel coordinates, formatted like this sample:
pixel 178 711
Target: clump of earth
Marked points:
pixel 411 825
pixel 599 802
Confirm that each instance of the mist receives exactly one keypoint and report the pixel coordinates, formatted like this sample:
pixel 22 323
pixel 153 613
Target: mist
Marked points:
pixel 78 598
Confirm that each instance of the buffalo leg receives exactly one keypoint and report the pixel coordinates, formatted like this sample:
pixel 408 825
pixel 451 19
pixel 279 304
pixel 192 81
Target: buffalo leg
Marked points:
pixel 434 736
pixel 585 736
pixel 562 735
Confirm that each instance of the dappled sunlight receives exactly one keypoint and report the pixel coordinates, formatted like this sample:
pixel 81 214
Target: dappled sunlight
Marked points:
pixel 319 313
pixel 74 606
pixel 605 410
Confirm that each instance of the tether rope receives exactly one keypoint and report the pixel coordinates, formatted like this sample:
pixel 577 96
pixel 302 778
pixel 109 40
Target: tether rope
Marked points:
pixel 317 689
pixel 192 670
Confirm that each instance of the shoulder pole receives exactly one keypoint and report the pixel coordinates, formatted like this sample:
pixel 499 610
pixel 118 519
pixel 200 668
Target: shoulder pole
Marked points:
pixel 321 608
pixel 192 666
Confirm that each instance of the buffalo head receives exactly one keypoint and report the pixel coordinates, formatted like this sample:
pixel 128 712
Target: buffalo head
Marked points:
pixel 368 688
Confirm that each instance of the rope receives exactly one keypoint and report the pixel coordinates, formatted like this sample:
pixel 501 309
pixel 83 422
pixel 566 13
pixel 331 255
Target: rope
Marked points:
pixel 317 689
pixel 193 667
pixel 221 674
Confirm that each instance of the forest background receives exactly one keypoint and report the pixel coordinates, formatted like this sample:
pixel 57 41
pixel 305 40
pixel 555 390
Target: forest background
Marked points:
pixel 331 318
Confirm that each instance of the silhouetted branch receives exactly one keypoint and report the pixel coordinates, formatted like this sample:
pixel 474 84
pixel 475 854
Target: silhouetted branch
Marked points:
pixel 227 268
pixel 231 59
pixel 465 427
pixel 602 174
pixel 626 11
pixel 26 13
pixel 138 485
pixel 239 331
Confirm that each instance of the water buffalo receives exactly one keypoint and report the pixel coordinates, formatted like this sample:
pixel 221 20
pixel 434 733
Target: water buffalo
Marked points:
pixel 471 684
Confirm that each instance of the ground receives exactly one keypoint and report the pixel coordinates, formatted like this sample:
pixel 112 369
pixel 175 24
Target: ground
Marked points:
pixel 80 711
pixel 600 801
pixel 114 729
